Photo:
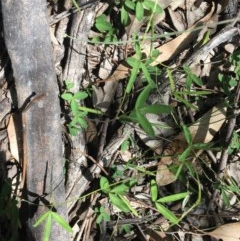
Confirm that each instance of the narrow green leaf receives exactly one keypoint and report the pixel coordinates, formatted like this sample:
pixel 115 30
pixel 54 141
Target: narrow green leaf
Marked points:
pixel 173 198
pixel 145 124
pixel 80 95
pixel 196 80
pixel 120 189
pixel 104 184
pixel 76 5
pixel 139 11
pixel 62 222
pixel 183 157
pixel 225 198
pixel 137 47
pixel 154 190
pixel 187 134
pixel 147 75
pixel 202 146
pixel 67 96
pixel 129 205
pixel 188 82
pixel 167 213
pixel 48 226
pixel 41 219
pixel 118 202
pixel 133 77
pixel 156 109
pixel 143 96
pixel 193 93
pixel 187 103
pixel 124 16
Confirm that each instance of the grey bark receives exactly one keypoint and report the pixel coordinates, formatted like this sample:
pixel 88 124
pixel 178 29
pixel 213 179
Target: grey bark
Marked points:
pixel 26 33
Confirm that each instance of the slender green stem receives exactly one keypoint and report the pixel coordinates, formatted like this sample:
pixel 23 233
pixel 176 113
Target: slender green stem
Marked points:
pixel 90 110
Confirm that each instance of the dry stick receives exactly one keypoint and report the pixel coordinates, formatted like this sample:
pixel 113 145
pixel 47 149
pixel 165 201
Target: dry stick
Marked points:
pixel 224 154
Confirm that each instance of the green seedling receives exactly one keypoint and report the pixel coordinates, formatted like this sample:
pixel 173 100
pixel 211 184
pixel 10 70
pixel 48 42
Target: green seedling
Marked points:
pixel 79 113
pixel 48 217
pixel 117 194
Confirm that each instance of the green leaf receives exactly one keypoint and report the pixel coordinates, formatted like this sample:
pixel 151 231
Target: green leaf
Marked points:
pixel 125 228
pixel 124 16
pixel 99 219
pixel 187 103
pixel 118 202
pixel 167 213
pixel 137 47
pixel 81 113
pixel 156 109
pixel 233 83
pixel 48 226
pixel 128 205
pixel 147 75
pixel 82 123
pixel 154 190
pixel 106 217
pixel 120 189
pixel 74 107
pixel 139 11
pixel 183 157
pixel 76 5
pixel 67 96
pixel 143 96
pixel 69 85
pixel 202 146
pixel 132 61
pixel 73 130
pixel 41 219
pixel 133 77
pixel 129 4
pixel 153 6
pixel 196 80
pixel 62 222
pixel 173 198
pixel 80 95
pixel 104 185
pixel 102 24
pixel 125 146
pixel 145 124
pixel 225 198
pixel 187 134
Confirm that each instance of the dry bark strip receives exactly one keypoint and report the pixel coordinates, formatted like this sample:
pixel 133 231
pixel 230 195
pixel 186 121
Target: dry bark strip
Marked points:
pixel 26 32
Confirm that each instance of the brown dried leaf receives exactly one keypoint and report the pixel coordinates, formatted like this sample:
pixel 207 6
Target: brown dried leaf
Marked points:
pixel 227 232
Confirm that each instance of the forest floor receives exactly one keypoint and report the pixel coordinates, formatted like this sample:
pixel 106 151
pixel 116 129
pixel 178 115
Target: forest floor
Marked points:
pixel 151 118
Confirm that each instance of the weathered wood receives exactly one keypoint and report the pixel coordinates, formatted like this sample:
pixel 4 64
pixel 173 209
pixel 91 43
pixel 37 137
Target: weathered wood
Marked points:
pixel 26 33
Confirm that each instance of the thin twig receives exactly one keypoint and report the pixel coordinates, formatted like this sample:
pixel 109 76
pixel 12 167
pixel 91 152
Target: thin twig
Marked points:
pixel 224 154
